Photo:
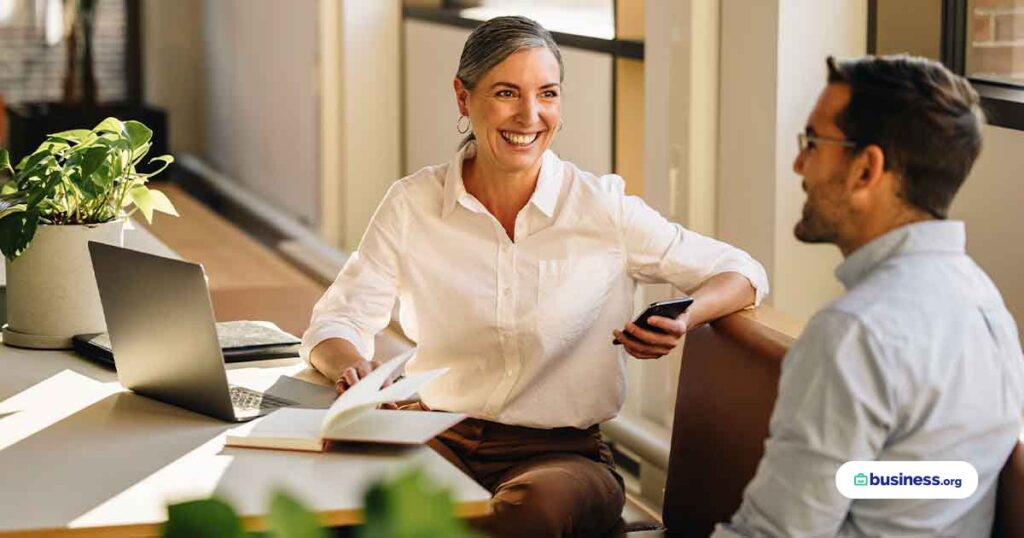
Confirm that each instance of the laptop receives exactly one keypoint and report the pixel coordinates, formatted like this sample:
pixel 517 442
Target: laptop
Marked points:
pixel 161 326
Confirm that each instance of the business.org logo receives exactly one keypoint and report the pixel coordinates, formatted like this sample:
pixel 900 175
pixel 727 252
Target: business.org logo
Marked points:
pixel 906 479
pixel 861 479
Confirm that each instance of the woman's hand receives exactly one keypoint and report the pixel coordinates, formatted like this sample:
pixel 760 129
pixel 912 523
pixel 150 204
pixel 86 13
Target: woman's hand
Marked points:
pixel 644 344
pixel 351 375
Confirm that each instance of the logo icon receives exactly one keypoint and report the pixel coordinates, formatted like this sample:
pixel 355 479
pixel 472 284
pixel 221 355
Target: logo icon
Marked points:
pixel 860 479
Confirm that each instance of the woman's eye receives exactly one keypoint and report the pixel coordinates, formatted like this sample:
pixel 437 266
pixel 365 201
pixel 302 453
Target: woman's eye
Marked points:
pixel 550 94
pixel 504 93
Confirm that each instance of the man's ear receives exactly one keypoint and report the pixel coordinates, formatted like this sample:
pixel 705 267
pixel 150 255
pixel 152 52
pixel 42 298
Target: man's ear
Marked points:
pixel 868 168
pixel 461 96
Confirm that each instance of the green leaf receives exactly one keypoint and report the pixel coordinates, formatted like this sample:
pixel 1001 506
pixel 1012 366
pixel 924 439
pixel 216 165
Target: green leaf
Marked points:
pixel 408 507
pixel 31 162
pixel 289 519
pixel 12 203
pixel 143 199
pixel 16 232
pixel 55 144
pixel 166 161
pixel 8 188
pixel 140 152
pixel 92 159
pixel 211 518
pixel 75 135
pixel 162 203
pixel 110 125
pixel 138 134
pixel 5 161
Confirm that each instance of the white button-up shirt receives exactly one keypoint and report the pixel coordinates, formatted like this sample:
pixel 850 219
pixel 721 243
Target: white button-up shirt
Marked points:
pixel 920 361
pixel 525 327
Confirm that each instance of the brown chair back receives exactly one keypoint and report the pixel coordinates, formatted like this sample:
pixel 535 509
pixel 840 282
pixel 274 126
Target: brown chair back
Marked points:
pixel 1010 497
pixel 727 388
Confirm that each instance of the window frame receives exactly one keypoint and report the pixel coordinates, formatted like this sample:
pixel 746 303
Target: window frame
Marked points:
pixel 1003 102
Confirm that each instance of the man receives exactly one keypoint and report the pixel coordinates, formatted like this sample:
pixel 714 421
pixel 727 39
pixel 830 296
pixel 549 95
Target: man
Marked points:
pixel 920 360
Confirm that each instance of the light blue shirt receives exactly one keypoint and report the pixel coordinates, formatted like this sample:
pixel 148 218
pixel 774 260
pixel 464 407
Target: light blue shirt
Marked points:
pixel 919 361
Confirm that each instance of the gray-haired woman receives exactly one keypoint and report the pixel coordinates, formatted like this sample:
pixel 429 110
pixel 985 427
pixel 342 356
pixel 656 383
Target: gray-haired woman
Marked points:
pixel 515 270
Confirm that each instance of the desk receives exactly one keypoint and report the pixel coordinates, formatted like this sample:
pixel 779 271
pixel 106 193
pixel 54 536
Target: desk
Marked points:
pixel 82 456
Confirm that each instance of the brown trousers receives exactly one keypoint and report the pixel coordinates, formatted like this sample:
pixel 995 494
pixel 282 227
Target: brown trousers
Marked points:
pixel 546 483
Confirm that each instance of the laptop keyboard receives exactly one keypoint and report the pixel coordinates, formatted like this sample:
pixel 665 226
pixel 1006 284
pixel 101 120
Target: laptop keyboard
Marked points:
pixel 243 398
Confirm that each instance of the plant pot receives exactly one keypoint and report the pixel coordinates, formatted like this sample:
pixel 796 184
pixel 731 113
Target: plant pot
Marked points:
pixel 51 288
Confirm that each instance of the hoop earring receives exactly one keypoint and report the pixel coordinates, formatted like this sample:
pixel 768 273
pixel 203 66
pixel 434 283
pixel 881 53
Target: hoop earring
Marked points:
pixel 463 129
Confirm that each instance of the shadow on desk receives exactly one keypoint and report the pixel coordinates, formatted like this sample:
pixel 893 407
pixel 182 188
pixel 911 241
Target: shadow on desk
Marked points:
pixel 102 461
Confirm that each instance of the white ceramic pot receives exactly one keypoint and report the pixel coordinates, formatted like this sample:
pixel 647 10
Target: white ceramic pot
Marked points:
pixel 51 288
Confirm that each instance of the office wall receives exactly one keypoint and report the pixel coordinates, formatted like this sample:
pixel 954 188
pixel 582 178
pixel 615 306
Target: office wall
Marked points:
pixel 772 68
pixel 803 273
pixel 431 56
pixel 990 204
pixel 173 75
pixel 261 104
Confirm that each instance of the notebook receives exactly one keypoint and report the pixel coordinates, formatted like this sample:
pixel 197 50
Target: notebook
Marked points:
pixel 353 417
pixel 239 341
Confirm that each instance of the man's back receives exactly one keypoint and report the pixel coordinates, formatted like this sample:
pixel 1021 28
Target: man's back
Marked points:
pixel 955 378
pixel 920 361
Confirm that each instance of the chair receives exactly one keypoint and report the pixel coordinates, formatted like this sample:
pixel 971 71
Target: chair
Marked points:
pixel 727 388
pixel 1010 497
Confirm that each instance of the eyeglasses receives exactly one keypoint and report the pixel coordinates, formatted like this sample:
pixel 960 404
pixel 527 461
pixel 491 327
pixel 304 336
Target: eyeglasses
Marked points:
pixel 807 141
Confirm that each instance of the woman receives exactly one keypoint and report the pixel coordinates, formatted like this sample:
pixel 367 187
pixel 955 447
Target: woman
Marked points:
pixel 515 270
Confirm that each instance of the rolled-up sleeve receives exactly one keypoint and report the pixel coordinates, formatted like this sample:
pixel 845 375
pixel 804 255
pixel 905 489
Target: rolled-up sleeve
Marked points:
pixel 358 304
pixel 661 251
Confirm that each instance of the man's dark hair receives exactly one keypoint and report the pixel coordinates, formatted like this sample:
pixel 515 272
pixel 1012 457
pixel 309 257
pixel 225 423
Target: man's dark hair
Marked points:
pixel 926 119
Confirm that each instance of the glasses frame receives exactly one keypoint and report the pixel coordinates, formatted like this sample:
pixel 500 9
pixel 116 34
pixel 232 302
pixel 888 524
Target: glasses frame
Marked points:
pixel 804 141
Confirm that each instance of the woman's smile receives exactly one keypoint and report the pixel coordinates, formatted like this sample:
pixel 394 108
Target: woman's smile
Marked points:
pixel 520 139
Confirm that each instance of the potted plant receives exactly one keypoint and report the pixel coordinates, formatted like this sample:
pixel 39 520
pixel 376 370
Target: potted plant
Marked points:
pixel 77 186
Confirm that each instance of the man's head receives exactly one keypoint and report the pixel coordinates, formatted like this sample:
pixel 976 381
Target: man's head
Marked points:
pixel 889 142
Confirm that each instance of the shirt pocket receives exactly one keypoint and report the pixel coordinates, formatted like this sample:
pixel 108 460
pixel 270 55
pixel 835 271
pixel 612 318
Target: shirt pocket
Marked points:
pixel 571 296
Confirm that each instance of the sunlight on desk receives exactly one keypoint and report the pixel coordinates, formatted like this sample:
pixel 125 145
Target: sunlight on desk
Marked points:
pixel 48 402
pixel 78 452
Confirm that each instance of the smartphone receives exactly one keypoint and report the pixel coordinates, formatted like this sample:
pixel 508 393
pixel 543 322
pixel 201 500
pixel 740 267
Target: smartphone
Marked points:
pixel 672 308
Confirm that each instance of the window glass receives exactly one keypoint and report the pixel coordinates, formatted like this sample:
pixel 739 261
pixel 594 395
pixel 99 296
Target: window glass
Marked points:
pixel 32 50
pixel 995 40
pixel 593 18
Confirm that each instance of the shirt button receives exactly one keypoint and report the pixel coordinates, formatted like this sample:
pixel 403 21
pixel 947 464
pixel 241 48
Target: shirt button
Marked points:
pixel 508 373
pixel 507 292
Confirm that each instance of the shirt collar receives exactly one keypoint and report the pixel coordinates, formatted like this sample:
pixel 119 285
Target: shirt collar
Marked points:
pixel 928 236
pixel 545 194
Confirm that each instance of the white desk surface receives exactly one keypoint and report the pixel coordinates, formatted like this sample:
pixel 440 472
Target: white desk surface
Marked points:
pixel 82 456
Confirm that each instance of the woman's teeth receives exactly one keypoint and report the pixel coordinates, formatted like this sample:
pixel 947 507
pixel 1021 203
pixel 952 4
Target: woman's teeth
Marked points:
pixel 518 139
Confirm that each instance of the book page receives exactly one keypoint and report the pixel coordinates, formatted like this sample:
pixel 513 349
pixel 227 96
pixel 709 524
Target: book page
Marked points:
pixel 367 393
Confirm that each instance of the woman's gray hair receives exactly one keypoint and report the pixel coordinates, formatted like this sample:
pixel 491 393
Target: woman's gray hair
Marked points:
pixel 497 39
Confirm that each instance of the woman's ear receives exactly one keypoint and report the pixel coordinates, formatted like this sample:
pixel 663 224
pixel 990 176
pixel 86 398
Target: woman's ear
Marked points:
pixel 461 96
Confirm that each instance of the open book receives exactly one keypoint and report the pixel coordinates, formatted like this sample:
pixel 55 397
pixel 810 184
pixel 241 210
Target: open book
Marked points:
pixel 353 417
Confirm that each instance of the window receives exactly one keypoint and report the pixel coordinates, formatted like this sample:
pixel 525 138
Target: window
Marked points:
pixel 32 50
pixel 980 39
pixel 592 18
pixel 995 41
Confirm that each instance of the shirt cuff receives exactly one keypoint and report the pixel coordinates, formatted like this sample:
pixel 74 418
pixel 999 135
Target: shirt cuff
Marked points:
pixel 315 335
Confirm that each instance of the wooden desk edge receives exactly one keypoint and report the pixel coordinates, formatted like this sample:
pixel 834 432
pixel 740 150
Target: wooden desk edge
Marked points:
pixel 329 518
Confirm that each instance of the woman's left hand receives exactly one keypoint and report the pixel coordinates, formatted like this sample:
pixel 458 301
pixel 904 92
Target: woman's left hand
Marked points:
pixel 644 344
